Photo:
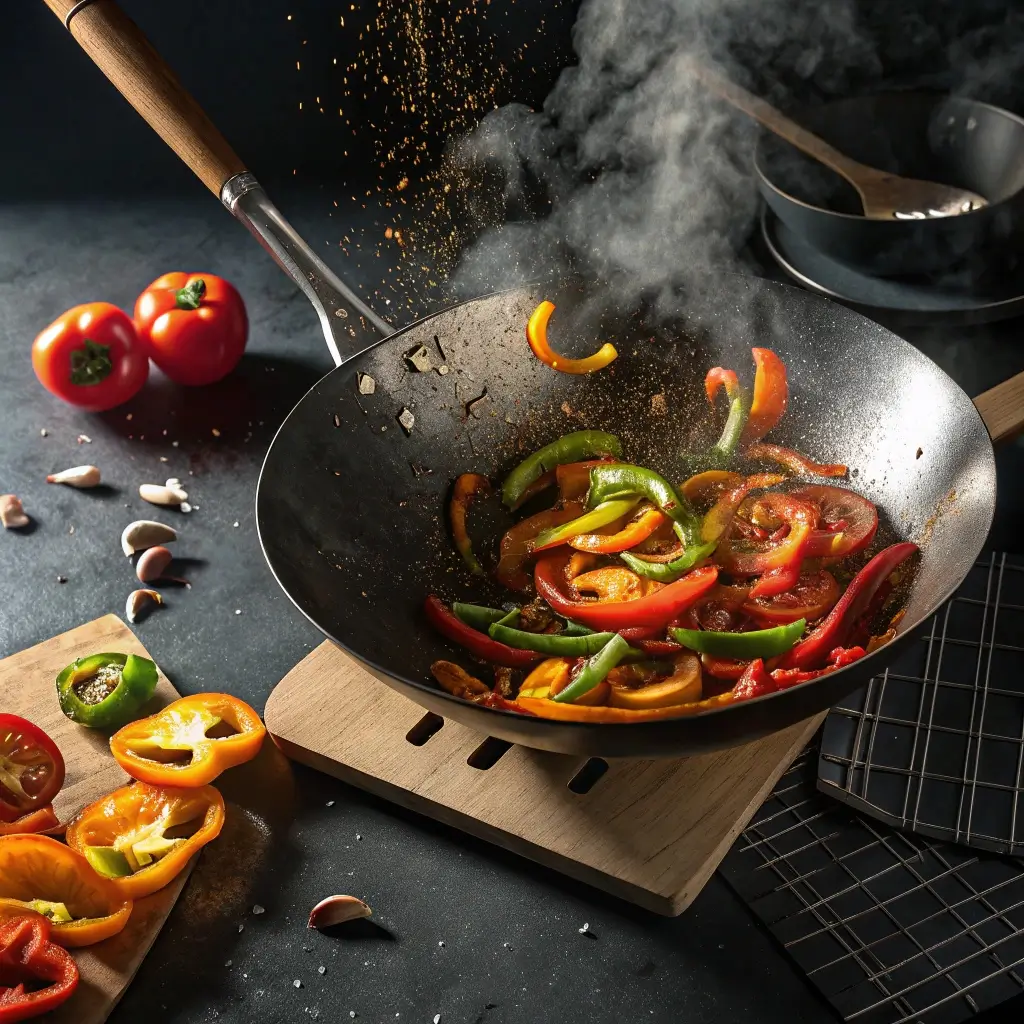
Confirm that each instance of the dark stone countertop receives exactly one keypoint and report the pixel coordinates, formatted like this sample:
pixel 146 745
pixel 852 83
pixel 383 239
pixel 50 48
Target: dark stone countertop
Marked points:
pixel 468 932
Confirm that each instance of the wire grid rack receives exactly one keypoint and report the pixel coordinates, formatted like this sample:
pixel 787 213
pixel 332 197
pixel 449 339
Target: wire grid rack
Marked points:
pixel 890 927
pixel 935 745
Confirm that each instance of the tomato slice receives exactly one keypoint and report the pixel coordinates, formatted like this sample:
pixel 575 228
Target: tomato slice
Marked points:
pixel 847 522
pixel 813 596
pixel 31 767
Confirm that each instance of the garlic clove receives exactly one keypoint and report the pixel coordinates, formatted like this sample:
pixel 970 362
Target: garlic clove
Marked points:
pixel 337 910
pixel 145 533
pixel 152 563
pixel 139 602
pixel 12 514
pixel 77 476
pixel 166 494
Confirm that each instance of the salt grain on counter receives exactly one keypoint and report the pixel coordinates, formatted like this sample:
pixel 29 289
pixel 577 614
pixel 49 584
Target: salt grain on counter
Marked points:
pixel 321 970
pixel 330 803
pixel 297 983
pixel 257 909
pixel 215 432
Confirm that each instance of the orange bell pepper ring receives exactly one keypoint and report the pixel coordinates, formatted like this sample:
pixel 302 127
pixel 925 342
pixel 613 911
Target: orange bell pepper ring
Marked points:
pixel 39 875
pixel 629 536
pixel 141 837
pixel 537 336
pixel 190 742
pixel 771 394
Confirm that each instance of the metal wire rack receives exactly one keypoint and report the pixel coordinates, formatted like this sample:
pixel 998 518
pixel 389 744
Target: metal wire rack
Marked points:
pixel 890 927
pixel 936 744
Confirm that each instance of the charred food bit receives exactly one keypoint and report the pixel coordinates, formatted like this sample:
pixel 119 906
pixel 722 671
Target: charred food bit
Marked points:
pixel 454 679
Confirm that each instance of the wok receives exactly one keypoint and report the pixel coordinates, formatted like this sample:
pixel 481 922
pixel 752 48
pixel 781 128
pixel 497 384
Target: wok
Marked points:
pixel 949 139
pixel 352 522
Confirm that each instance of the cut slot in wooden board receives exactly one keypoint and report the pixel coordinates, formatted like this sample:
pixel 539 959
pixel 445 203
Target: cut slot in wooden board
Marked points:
pixel 27 689
pixel 651 832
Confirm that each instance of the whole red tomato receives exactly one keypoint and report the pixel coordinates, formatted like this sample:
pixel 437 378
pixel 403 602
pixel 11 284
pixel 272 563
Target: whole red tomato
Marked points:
pixel 91 357
pixel 193 325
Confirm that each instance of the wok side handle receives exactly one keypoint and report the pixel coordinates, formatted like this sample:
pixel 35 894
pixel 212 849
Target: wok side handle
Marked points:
pixel 119 49
pixel 1002 408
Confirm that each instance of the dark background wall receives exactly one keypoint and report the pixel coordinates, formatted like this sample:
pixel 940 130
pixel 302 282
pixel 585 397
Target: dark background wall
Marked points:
pixel 66 133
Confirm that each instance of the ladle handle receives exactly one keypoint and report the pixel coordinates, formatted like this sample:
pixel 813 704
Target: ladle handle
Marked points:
pixel 138 72
pixel 1002 408
pixel 777 122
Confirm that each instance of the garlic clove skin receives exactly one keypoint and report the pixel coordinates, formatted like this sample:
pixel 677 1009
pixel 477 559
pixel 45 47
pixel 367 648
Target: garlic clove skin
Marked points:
pixel 12 514
pixel 152 563
pixel 139 603
pixel 337 910
pixel 145 533
pixel 157 494
pixel 77 476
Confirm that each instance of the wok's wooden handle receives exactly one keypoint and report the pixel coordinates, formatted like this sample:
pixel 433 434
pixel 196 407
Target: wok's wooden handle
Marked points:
pixel 124 55
pixel 1002 408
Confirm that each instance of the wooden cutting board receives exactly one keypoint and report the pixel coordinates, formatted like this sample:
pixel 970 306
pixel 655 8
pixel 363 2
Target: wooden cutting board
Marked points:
pixel 27 689
pixel 651 832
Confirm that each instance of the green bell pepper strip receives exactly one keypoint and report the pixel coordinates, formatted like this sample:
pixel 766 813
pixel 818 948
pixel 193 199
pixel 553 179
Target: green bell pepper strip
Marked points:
pixel 510 619
pixel 575 447
pixel 761 643
pixel 557 645
pixel 619 479
pixel 576 629
pixel 605 513
pixel 105 691
pixel 594 670
pixel 477 615
pixel 739 412
pixel 669 572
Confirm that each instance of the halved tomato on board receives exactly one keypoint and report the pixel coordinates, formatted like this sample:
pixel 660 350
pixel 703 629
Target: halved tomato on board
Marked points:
pixel 813 596
pixel 847 522
pixel 31 767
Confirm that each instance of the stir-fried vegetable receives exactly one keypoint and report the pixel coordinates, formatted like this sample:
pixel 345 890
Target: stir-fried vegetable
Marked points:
pixel 655 600
pixel 537 336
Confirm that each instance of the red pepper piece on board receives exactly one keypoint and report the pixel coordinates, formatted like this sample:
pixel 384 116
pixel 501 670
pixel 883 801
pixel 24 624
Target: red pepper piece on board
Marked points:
pixel 480 644
pixel 36 975
pixel 835 629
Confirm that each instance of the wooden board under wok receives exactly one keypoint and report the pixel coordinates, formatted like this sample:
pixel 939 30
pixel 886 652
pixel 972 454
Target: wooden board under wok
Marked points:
pixel 651 832
pixel 27 685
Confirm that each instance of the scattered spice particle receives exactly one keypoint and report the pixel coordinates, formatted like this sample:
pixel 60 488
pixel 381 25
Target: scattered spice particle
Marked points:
pixel 659 406
pixel 84 439
pixel 238 611
pixel 129 416
pixel 62 579
pixel 240 927
pixel 174 444
pixel 227 963
pixel 321 969
pixel 330 803
pixel 44 432
pixel 235 524
pixel 441 943
pixel 297 983
pixel 337 420
pixel 163 458
pixel 257 909
pixel 72 530
pixel 215 432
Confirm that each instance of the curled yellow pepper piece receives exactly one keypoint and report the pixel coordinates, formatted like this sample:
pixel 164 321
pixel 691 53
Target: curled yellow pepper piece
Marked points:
pixel 537 336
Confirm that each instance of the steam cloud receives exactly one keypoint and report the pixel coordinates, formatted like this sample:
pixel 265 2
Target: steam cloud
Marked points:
pixel 632 171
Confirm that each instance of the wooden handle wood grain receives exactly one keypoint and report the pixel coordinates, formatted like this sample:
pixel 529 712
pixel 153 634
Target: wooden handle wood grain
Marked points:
pixel 1002 408
pixel 777 122
pixel 138 72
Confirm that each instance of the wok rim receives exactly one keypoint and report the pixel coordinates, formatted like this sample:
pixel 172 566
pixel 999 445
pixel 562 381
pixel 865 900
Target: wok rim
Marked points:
pixel 902 636
pixel 967 218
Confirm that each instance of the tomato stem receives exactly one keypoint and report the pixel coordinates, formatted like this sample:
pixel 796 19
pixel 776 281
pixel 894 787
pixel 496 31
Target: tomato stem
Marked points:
pixel 191 296
pixel 91 364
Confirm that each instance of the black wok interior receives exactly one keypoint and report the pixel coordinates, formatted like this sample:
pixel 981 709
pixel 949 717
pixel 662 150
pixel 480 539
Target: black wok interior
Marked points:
pixel 951 140
pixel 352 516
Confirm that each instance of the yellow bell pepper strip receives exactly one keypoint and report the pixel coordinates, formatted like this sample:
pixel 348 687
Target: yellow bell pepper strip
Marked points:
pixel 594 670
pixel 757 643
pixel 771 394
pixel 735 422
pixel 544 708
pixel 516 547
pixel 40 875
pixel 709 483
pixel 467 487
pixel 141 837
pixel 605 513
pixel 794 461
pixel 633 533
pixel 41 820
pixel 552 673
pixel 575 447
pixel 190 742
pixel 681 686
pixel 104 691
pixel 36 975
pixel 537 336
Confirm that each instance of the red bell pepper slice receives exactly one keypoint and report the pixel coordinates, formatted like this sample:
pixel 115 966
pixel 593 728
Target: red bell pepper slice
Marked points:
pixel 723 668
pixel 771 393
pixel 778 565
pixel 837 627
pixel 721 514
pixel 719 378
pixel 839 658
pixel 755 682
pixel 657 609
pixel 447 624
pixel 29 960
pixel 794 461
